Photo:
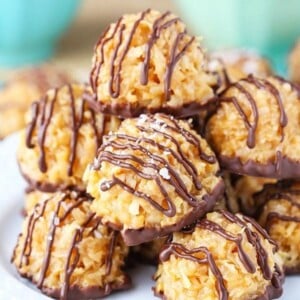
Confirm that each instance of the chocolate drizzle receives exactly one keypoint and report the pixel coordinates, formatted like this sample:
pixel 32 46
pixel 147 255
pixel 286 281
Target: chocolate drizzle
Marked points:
pixel 223 78
pixel 279 166
pixel 280 191
pixel 42 114
pixel 148 125
pixel 262 84
pixel 202 255
pixel 206 258
pixel 61 212
pixel 174 58
pixel 294 86
pixel 156 30
pixel 117 58
pixel 287 192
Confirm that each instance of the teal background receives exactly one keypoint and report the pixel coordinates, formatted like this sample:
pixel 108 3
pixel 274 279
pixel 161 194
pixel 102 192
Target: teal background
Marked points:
pixel 270 27
pixel 29 29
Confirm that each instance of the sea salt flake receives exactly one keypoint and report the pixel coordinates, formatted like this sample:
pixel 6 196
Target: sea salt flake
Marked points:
pixel 97 234
pixel 142 119
pixel 164 173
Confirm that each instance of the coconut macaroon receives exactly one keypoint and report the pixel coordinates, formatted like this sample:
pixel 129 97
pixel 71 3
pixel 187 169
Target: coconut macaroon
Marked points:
pixel 224 256
pixel 67 253
pixel 61 138
pixel 294 64
pixel 153 176
pixel 147 62
pixel 231 65
pixel 21 90
pixel 280 216
pixel 255 130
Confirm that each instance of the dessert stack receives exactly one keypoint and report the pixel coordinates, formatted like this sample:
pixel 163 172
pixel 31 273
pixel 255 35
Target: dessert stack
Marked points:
pixel 169 154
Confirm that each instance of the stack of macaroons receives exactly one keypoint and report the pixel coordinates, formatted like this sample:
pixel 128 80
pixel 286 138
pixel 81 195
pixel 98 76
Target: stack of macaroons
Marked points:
pixel 63 248
pixel 120 166
pixel 254 133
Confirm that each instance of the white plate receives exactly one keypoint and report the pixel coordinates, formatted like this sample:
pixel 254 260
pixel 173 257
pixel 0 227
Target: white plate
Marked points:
pixel 11 198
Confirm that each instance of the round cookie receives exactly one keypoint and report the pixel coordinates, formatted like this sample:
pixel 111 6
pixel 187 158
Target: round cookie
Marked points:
pixel 153 176
pixel 21 90
pixel 147 62
pixel 224 256
pixel 280 216
pixel 294 64
pixel 61 138
pixel 67 253
pixel 231 65
pixel 255 128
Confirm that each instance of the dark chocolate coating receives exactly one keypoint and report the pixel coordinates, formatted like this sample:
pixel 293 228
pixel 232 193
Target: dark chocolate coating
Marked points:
pixel 271 292
pixel 134 237
pixel 76 292
pixel 281 168
pixel 125 110
pixel 47 187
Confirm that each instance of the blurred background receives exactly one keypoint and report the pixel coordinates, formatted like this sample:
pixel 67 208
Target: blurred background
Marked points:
pixel 66 31
pixel 62 33
pixel 80 31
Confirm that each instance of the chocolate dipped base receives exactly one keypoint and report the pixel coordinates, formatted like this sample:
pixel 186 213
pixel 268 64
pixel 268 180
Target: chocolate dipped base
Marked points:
pixel 48 187
pixel 282 168
pixel 76 292
pixel 272 291
pixel 125 110
pixel 184 246
pixel 133 237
